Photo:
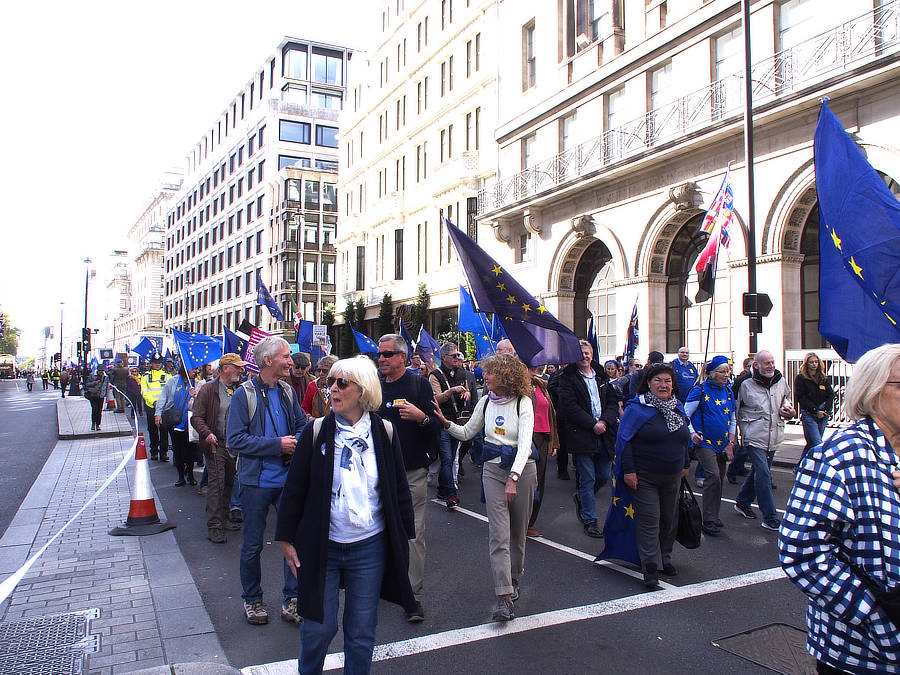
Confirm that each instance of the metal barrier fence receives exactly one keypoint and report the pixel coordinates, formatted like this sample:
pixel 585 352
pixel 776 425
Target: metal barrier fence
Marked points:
pixel 836 370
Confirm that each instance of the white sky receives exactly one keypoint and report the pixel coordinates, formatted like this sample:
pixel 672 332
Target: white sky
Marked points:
pixel 99 98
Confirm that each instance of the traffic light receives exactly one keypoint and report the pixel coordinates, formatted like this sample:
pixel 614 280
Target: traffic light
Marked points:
pixel 85 340
pixel 78 349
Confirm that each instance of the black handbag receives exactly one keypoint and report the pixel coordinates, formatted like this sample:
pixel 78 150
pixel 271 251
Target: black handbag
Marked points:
pixel 689 518
pixel 171 417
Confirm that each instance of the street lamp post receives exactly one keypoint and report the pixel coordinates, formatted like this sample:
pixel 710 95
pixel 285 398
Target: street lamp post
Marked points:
pixel 297 221
pixel 87 277
pixel 60 334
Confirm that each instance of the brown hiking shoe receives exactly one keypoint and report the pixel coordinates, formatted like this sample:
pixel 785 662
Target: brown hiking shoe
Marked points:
pixel 289 611
pixel 256 613
pixel 216 535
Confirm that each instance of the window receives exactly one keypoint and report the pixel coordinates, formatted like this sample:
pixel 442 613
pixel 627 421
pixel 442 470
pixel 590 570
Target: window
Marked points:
pixel 295 63
pixel 290 160
pixel 423 248
pixel 477 52
pixel 309 271
pixel 529 63
pixel 522 247
pixel 294 94
pixel 360 268
pixel 329 230
pixel 294 132
pixel 311 195
pixel 477 127
pixel 327 66
pixel 470 49
pixel 398 254
pixel 327 164
pixel 329 197
pixel 566 126
pixel 528 146
pixel 311 230
pixel 729 60
pixel 289 269
pixel 326 136
pixel 328 272
pixel 616 115
pixel 329 100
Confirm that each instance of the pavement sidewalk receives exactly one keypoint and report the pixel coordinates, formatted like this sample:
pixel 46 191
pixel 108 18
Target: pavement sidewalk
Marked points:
pixel 132 600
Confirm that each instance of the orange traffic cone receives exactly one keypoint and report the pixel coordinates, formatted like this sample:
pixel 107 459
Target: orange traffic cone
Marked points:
pixel 142 516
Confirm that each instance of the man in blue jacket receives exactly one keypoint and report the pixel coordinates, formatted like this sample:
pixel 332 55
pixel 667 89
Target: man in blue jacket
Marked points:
pixel 264 424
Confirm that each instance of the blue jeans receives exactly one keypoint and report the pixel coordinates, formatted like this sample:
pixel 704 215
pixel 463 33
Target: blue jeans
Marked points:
pixel 813 428
pixel 361 565
pixel 737 464
pixel 446 484
pixel 256 503
pixel 235 495
pixel 592 474
pixel 758 483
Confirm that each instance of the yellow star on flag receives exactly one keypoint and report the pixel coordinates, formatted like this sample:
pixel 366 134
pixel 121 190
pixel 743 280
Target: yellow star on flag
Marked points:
pixel 497 270
pixel 890 319
pixel 727 410
pixel 706 398
pixel 542 309
pixel 511 299
pixel 526 306
pixel 836 239
pixel 857 270
pixel 718 401
pixel 629 511
pixel 501 285
pixel 616 501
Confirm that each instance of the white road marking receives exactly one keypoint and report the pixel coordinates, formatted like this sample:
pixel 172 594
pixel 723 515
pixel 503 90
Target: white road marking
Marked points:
pixel 567 549
pixel 487 631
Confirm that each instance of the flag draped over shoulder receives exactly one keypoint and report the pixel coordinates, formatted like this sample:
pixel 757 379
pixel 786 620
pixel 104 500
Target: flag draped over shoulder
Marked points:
pixel 538 336
pixel 196 349
pixel 144 348
pixel 263 297
pixel 364 342
pixel 428 349
pixel 859 245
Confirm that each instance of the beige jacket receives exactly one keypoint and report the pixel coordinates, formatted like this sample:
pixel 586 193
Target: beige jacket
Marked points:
pixel 757 413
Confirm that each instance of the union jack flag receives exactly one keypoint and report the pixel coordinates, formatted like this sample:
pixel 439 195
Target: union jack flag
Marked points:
pixel 721 211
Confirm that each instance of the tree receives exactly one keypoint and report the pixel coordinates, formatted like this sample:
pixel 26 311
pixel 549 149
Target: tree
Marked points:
pixel 385 322
pixel 348 343
pixel 420 311
pixel 9 343
pixel 328 321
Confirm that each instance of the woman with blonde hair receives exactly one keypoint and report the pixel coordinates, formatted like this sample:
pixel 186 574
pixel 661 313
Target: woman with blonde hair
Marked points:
pixel 345 518
pixel 509 475
pixel 815 398
pixel 839 540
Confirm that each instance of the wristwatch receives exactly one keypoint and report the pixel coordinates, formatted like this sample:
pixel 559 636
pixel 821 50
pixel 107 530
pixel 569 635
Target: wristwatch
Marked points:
pixel 514 476
pixel 425 422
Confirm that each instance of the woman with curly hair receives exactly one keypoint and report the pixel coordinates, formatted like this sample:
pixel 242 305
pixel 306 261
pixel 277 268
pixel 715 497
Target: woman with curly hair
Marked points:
pixel 509 475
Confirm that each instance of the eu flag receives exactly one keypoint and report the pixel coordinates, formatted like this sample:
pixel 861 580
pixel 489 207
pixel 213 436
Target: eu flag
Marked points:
pixel 471 321
pixel 263 297
pixel 538 336
pixel 859 245
pixel 632 338
pixel 404 333
pixel 144 348
pixel 305 336
pixel 195 349
pixel 364 342
pixel 428 349
pixel 592 338
pixel 232 343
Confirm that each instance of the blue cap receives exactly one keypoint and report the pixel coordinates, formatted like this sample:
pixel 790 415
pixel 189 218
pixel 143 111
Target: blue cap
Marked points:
pixel 715 362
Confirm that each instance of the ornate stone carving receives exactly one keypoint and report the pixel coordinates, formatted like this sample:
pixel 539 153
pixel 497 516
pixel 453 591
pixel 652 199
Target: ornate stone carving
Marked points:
pixel 583 226
pixel 531 220
pixel 685 196
pixel 502 230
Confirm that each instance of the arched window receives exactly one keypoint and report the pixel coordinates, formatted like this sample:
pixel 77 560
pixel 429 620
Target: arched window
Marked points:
pixel 687 323
pixel 595 295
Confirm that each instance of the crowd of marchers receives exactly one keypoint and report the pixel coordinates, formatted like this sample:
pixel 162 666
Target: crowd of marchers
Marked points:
pixel 344 453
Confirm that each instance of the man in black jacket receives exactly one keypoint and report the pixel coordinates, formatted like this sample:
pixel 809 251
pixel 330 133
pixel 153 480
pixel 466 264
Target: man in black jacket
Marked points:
pixel 453 391
pixel 407 403
pixel 591 406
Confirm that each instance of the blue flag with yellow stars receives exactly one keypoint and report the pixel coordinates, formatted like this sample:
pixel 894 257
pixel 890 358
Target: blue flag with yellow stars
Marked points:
pixel 232 343
pixel 195 349
pixel 592 337
pixel 429 349
pixel 471 321
pixel 538 336
pixel 263 297
pixel 144 348
pixel 859 245
pixel 404 333
pixel 364 342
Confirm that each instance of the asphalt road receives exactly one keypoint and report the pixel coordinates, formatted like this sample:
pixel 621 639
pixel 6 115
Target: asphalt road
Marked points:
pixel 28 433
pixel 560 628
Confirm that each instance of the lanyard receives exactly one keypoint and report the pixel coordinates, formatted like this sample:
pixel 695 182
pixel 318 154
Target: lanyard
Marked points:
pixel 265 396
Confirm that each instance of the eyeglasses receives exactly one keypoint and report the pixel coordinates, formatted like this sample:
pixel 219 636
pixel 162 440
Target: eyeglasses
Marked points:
pixel 339 381
pixel 388 354
pixel 456 356
pixel 322 370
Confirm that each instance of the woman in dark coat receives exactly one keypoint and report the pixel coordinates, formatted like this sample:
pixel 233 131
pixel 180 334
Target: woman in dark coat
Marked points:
pixel 345 518
pixel 815 399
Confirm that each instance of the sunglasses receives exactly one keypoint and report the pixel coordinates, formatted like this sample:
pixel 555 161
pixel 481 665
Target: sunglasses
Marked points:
pixel 322 370
pixel 456 356
pixel 388 354
pixel 339 381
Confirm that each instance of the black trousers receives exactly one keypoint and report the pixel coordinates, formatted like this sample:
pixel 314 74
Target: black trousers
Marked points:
pixel 183 453
pixel 159 440
pixel 96 410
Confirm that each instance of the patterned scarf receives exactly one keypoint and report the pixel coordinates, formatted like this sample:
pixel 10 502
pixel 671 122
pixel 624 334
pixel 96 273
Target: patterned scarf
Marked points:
pixel 352 442
pixel 668 409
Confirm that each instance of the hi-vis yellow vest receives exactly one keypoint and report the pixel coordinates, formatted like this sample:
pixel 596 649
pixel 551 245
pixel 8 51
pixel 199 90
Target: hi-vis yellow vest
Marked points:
pixel 152 383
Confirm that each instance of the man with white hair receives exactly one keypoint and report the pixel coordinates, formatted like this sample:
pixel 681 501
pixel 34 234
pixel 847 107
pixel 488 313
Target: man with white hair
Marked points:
pixel 505 346
pixel 763 404
pixel 264 424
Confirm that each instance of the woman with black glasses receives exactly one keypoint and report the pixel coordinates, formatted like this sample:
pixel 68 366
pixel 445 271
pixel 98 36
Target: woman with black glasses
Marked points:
pixel 345 518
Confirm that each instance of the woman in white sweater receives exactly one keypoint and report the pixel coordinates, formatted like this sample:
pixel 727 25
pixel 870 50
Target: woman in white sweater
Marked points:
pixel 506 415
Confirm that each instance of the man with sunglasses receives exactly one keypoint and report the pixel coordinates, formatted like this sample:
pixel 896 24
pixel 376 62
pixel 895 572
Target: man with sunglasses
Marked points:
pixel 406 401
pixel 300 374
pixel 264 424
pixel 454 390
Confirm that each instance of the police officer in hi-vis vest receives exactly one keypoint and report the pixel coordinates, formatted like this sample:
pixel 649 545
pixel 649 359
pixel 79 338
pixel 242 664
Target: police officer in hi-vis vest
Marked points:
pixel 152 383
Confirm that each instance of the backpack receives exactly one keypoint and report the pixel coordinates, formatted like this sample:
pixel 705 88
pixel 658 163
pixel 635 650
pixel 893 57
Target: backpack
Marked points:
pixel 317 426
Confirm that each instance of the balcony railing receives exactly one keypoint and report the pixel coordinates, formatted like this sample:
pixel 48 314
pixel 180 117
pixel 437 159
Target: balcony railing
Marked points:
pixel 866 38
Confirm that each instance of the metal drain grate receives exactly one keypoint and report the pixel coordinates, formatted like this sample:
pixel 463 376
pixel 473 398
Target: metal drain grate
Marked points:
pixel 776 646
pixel 47 645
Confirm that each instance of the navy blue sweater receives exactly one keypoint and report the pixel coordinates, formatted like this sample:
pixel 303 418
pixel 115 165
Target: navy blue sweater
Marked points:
pixel 655 449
